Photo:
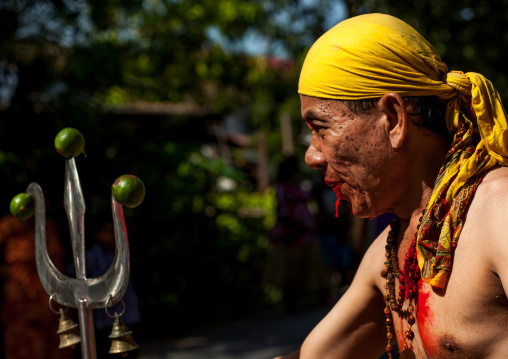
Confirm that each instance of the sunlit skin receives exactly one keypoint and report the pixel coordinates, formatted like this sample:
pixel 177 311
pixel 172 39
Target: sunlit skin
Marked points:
pixel 382 162
pixel 347 149
pixel 365 156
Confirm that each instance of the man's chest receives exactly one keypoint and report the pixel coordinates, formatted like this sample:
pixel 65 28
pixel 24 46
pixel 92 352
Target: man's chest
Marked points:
pixel 464 320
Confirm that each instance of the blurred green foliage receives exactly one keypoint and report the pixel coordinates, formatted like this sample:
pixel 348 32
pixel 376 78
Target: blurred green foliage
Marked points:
pixel 199 238
pixel 197 250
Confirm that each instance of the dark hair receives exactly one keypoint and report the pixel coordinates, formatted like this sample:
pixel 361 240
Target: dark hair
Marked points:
pixel 429 112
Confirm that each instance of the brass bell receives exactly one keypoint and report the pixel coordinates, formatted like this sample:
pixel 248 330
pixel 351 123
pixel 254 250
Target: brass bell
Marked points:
pixel 68 332
pixel 121 339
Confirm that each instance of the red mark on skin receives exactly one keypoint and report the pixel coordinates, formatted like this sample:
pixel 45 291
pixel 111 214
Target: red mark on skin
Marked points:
pixel 400 337
pixel 425 321
pixel 336 189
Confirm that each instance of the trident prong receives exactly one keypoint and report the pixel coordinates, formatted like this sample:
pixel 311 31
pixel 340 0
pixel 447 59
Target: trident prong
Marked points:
pixel 74 204
pixel 66 290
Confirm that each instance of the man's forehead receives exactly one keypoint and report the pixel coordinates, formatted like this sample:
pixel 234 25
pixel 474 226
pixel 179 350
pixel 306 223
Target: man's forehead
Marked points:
pixel 316 107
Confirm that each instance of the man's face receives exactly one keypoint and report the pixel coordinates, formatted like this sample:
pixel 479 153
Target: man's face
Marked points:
pixel 353 151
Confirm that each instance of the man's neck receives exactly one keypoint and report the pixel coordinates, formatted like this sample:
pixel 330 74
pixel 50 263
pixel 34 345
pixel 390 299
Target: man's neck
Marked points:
pixel 420 176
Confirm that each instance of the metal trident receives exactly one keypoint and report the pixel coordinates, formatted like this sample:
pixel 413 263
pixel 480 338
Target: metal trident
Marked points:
pixel 81 292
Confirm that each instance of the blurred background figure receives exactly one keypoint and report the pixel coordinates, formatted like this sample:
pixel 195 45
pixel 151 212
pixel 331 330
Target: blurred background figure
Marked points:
pixel 28 325
pixel 294 263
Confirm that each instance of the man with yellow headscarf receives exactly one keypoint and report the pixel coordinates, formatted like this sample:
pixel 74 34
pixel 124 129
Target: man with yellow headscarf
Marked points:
pixel 394 130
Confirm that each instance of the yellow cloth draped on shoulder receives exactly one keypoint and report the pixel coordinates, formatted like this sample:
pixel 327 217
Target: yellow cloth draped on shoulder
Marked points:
pixel 370 55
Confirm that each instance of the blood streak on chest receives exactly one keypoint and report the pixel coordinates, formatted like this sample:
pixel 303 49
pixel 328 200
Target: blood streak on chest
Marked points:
pixel 424 315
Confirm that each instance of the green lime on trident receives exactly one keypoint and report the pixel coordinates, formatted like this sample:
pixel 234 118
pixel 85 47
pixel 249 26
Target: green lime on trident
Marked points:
pixel 22 206
pixel 128 190
pixel 69 142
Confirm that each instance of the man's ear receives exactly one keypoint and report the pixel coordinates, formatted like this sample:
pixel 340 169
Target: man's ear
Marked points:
pixel 394 107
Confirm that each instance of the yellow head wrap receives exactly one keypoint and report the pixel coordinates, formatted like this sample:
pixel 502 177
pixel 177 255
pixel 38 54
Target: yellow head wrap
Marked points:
pixel 370 55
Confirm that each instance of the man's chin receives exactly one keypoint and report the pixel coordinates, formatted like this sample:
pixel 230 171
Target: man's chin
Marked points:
pixel 360 211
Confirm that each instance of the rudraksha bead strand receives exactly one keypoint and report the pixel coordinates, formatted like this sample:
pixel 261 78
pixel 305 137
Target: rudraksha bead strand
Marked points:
pixel 408 284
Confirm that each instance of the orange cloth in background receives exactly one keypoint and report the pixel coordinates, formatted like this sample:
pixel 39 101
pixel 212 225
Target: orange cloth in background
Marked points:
pixel 29 325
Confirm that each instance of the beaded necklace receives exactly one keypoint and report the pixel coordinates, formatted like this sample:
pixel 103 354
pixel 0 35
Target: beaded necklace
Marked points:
pixel 408 288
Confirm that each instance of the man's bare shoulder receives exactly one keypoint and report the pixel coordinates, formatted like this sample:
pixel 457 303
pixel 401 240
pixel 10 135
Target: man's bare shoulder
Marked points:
pixel 488 214
pixel 374 258
pixel 495 183
pixel 378 245
pixel 491 198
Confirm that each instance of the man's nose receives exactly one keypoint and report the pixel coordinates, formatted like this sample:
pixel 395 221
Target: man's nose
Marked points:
pixel 314 158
